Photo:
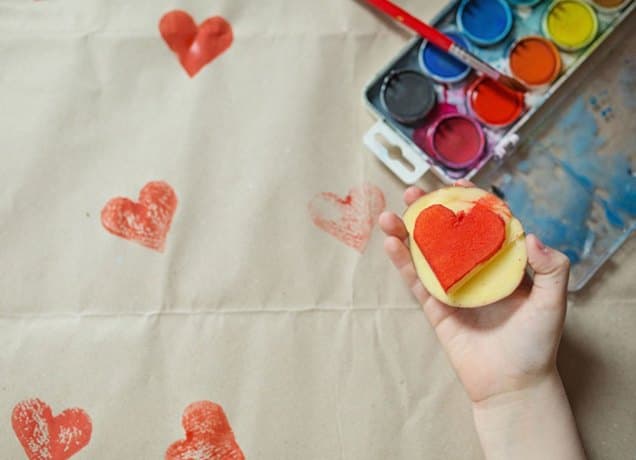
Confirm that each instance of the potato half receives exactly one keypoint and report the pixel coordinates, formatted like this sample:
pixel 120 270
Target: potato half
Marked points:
pixel 488 282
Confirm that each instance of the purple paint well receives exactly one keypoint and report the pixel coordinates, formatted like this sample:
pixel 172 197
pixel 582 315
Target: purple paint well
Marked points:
pixel 455 140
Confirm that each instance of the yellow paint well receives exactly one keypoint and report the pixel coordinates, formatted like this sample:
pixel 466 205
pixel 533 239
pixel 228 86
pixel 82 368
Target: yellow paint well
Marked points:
pixel 571 24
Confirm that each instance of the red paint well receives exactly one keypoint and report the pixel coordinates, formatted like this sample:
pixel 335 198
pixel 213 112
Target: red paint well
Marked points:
pixel 493 103
pixel 208 435
pixel 454 244
pixel 44 437
pixel 195 45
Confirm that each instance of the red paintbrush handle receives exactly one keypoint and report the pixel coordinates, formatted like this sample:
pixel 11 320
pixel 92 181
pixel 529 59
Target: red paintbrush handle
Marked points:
pixel 430 33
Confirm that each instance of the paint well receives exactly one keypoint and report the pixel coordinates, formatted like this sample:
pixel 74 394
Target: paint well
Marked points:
pixel 408 95
pixel 535 61
pixel 609 5
pixel 422 135
pixel 484 22
pixel 493 103
pixel 440 65
pixel 571 24
pixel 457 140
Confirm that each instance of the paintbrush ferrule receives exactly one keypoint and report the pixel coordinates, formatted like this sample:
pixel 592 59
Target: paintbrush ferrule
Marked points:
pixel 473 61
pixel 485 69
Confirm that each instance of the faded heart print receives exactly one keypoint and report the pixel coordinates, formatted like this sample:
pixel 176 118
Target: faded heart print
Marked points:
pixel 45 437
pixel 196 46
pixel 350 219
pixel 146 221
pixel 208 435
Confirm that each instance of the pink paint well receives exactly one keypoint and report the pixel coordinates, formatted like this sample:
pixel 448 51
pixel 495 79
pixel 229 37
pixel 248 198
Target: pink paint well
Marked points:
pixel 457 140
pixel 422 134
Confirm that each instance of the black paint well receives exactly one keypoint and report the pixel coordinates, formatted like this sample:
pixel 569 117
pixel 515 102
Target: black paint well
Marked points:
pixel 408 95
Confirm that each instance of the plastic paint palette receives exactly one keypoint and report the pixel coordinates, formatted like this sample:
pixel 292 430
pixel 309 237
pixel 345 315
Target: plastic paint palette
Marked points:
pixel 474 123
pixel 542 43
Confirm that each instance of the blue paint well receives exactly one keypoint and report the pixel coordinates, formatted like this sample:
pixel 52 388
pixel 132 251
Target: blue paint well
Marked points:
pixel 440 65
pixel 484 22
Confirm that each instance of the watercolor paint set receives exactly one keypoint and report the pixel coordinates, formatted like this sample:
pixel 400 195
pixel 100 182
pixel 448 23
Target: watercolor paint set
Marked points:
pixel 436 114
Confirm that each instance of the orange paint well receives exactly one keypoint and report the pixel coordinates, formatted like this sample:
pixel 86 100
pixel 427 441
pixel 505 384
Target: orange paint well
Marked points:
pixel 610 6
pixel 610 3
pixel 535 61
pixel 493 103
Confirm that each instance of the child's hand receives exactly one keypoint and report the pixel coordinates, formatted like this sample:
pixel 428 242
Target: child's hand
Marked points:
pixel 502 347
pixel 505 353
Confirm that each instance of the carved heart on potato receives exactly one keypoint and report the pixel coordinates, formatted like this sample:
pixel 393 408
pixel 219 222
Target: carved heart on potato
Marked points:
pixel 467 248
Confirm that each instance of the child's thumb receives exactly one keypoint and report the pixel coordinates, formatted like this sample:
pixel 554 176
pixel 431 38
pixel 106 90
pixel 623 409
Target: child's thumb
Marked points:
pixel 551 272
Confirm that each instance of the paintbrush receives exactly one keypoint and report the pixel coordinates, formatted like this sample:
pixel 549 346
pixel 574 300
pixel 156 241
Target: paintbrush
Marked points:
pixel 445 43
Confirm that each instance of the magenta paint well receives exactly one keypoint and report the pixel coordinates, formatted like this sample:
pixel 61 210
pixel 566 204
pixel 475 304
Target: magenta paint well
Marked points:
pixel 455 140
pixel 421 136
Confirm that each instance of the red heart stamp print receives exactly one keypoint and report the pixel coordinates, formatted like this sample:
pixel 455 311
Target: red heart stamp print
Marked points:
pixel 195 45
pixel 208 435
pixel 454 244
pixel 45 437
pixel 146 221
pixel 349 219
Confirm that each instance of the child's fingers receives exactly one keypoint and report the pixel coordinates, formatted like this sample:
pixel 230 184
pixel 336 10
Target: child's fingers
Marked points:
pixel 464 183
pixel 401 258
pixel 411 194
pixel 551 272
pixel 392 225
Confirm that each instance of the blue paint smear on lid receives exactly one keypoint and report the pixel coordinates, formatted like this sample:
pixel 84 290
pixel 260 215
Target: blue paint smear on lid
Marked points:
pixel 561 188
pixel 557 215
pixel 441 65
pixel 485 22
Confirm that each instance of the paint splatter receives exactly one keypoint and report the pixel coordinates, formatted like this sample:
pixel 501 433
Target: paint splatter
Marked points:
pixel 602 104
pixel 350 219
pixel 146 221
pixel 497 205
pixel 196 46
pixel 45 437
pixel 208 435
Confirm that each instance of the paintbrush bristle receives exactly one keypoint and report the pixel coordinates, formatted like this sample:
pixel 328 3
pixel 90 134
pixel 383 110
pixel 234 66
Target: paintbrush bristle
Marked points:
pixel 512 83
